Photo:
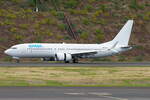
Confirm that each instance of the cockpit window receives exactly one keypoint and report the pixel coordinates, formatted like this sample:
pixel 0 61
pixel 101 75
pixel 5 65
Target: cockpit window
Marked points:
pixel 13 48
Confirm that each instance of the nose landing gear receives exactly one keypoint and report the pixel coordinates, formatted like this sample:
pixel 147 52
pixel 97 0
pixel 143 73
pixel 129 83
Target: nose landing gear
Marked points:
pixel 17 59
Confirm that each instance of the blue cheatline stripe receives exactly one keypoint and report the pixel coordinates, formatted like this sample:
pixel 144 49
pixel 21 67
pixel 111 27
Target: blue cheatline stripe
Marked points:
pixel 35 46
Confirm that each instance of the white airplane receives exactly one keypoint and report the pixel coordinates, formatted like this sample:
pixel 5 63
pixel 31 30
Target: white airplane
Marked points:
pixel 72 52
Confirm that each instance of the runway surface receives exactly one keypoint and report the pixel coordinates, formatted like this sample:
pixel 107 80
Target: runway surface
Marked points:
pixel 73 93
pixel 99 64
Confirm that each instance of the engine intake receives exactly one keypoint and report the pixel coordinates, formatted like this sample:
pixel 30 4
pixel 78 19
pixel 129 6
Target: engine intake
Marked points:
pixel 63 57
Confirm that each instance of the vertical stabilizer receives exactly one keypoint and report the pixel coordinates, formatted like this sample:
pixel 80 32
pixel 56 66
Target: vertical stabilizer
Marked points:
pixel 124 35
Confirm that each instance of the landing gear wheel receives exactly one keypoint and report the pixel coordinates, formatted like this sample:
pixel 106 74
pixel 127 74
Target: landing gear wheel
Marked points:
pixel 17 61
pixel 66 61
pixel 75 60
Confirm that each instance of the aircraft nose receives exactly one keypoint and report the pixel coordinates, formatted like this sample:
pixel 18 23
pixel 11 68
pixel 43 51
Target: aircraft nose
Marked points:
pixel 7 51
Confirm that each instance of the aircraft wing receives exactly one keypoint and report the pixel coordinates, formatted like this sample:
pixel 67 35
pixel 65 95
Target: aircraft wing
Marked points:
pixel 87 53
pixel 83 53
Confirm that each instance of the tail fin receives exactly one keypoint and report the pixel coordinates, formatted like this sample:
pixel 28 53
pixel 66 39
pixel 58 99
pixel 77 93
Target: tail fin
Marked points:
pixel 124 35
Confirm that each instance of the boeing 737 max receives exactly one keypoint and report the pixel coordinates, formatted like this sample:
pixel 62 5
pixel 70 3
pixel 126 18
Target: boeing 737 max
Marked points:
pixel 71 52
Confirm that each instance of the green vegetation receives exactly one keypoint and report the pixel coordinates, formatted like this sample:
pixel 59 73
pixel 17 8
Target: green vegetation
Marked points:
pixel 71 4
pixel 18 37
pixel 62 26
pixel 94 20
pixel 139 58
pixel 86 21
pixel 48 21
pixel 85 76
pixel 89 7
pixel 7 22
pixel 78 12
pixel 135 5
pixel 84 35
pixel 60 15
pixel 147 16
pixel 99 35
pixel 13 30
pixel 24 26
pixel 7 58
pixel 122 58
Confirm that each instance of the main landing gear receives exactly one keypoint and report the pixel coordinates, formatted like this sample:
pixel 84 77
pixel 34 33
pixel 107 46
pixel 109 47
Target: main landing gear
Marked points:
pixel 66 61
pixel 75 60
pixel 17 60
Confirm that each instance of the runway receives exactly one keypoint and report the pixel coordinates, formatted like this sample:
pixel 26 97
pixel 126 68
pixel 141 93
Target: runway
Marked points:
pixel 82 64
pixel 73 93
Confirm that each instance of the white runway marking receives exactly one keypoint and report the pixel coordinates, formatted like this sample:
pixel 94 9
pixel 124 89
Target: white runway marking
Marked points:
pixel 104 95
pixel 115 98
pixel 100 94
pixel 75 93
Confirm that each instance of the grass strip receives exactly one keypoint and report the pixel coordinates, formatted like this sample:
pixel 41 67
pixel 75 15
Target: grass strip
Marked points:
pixel 75 76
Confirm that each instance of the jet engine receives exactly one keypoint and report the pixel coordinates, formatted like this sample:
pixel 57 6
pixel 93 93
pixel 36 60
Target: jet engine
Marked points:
pixel 63 57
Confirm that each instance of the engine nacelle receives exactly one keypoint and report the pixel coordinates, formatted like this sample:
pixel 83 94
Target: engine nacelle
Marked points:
pixel 48 59
pixel 63 57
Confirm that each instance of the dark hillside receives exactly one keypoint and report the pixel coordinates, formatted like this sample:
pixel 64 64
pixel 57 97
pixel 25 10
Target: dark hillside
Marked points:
pixel 95 21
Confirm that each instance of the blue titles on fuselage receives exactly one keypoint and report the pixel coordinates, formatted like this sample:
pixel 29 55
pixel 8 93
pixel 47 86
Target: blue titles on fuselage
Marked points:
pixel 35 46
